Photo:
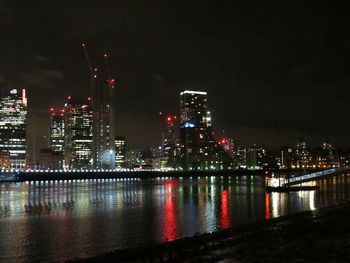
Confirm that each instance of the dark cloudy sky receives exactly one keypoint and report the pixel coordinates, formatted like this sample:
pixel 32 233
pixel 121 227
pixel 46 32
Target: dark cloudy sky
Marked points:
pixel 273 70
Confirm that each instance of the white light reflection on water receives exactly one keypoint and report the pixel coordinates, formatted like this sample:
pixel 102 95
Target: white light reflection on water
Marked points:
pixel 98 215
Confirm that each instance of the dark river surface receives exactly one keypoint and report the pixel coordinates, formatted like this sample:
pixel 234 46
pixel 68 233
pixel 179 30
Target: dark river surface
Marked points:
pixel 58 221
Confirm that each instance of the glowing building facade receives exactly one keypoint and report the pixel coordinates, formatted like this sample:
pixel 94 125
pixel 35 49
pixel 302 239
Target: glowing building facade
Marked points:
pixel 199 150
pixel 57 130
pixel 120 152
pixel 13 119
pixel 302 154
pixel 78 134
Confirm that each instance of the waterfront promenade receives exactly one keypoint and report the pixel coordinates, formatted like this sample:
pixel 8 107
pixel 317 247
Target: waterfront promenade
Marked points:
pixel 82 175
pixel 56 175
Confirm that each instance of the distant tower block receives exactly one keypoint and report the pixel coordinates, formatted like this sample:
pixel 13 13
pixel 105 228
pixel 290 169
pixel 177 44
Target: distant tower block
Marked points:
pixel 13 120
pixel 57 130
pixel 104 125
pixel 102 91
pixel 169 141
pixel 199 150
pixel 78 133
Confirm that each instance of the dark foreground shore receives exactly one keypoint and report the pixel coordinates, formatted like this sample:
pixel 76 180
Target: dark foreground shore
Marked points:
pixel 315 236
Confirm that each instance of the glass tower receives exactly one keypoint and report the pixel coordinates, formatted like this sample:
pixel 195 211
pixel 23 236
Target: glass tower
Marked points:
pixel 78 134
pixel 57 129
pixel 13 119
pixel 199 150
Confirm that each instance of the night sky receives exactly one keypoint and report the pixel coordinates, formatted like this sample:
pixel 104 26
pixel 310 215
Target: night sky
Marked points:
pixel 273 71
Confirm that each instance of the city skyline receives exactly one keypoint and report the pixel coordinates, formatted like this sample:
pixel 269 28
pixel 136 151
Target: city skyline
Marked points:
pixel 265 89
pixel 174 131
pixel 187 141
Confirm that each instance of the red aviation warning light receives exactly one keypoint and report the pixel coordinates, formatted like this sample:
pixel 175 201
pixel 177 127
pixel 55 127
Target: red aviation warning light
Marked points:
pixel 111 82
pixel 69 97
pixel 223 141
pixel 52 111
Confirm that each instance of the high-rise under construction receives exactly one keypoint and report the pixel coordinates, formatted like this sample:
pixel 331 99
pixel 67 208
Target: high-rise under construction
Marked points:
pixel 103 124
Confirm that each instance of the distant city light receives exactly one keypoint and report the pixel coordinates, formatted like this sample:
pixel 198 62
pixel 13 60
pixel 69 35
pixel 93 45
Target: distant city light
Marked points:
pixel 189 125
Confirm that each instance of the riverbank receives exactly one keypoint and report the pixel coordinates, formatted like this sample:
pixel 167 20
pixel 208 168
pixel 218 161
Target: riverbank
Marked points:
pixel 56 175
pixel 314 236
pixel 84 175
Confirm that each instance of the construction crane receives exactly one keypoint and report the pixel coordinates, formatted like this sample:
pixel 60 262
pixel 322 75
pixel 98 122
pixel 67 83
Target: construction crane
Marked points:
pixel 93 71
pixel 110 81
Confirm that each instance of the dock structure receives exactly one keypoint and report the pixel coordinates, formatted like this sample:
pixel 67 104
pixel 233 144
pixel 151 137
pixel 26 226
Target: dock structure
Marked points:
pixel 317 175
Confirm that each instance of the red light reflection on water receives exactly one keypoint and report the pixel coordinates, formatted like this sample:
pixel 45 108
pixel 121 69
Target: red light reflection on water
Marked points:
pixel 169 185
pixel 267 207
pixel 170 220
pixel 225 217
pixel 170 224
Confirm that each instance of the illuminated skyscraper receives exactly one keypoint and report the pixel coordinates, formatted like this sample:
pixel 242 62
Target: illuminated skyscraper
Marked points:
pixel 104 124
pixel 302 154
pixel 78 134
pixel 57 130
pixel 199 150
pixel 13 119
pixel 193 108
pixel 120 151
pixel 103 130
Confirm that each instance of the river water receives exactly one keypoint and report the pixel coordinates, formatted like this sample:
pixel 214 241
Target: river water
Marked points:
pixel 58 221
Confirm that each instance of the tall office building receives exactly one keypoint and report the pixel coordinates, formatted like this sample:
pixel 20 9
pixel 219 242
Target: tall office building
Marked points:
pixel 57 130
pixel 256 158
pixel 78 133
pixel 241 157
pixel 199 150
pixel 120 152
pixel 285 157
pixel 302 154
pixel 169 152
pixel 324 156
pixel 103 124
pixel 13 119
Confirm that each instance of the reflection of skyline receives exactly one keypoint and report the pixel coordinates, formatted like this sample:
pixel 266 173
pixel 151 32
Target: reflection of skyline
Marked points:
pixel 100 215
pixel 76 195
